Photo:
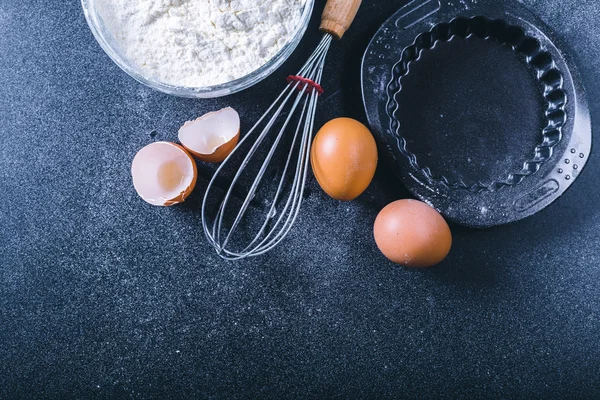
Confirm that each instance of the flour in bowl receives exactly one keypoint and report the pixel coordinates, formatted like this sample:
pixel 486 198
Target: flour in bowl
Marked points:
pixel 198 43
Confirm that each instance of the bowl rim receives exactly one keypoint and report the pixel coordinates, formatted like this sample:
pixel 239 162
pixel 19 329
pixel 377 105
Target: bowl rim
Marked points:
pixel 222 89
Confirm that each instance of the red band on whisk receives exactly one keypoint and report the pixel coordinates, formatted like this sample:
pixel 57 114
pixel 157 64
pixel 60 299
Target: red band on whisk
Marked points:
pixel 310 84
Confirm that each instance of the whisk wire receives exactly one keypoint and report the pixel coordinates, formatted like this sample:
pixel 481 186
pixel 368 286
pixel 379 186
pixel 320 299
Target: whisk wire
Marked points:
pixel 297 194
pixel 272 210
pixel 272 231
pixel 214 237
pixel 259 175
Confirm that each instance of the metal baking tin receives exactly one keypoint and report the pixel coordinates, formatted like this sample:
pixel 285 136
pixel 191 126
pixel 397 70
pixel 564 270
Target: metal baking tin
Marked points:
pixel 477 108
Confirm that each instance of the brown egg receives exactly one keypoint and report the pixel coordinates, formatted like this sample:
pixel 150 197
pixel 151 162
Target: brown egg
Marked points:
pixel 413 234
pixel 164 174
pixel 344 158
pixel 213 136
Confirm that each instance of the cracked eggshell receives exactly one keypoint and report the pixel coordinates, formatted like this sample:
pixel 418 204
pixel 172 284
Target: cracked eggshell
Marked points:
pixel 213 136
pixel 164 174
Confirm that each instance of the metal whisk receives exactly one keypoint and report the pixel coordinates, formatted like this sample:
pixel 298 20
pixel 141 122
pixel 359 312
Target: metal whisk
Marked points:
pixel 302 93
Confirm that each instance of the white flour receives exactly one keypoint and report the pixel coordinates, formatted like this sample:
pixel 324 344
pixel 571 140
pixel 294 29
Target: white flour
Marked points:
pixel 200 42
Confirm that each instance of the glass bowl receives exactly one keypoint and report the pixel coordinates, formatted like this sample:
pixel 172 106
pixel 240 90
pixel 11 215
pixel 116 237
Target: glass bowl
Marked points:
pixel 113 50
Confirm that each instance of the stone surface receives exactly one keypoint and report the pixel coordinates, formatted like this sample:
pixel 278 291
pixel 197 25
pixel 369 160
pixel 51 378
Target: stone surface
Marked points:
pixel 103 296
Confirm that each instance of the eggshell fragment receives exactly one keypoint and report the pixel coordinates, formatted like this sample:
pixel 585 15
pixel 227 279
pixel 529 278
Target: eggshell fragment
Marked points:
pixel 413 234
pixel 164 174
pixel 344 158
pixel 213 136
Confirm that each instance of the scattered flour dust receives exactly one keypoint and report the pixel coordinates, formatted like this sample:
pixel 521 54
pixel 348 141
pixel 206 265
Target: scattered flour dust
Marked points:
pixel 199 43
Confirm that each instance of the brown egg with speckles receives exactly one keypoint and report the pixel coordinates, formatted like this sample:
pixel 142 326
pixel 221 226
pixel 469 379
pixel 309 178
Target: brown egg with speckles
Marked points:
pixel 344 158
pixel 413 234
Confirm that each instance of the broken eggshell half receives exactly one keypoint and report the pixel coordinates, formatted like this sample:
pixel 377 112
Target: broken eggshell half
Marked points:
pixel 213 136
pixel 164 174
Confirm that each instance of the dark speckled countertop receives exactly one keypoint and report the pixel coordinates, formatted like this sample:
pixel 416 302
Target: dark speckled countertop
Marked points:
pixel 103 296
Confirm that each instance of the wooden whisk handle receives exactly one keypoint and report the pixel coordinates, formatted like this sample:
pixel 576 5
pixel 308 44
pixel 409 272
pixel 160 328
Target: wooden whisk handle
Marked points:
pixel 338 16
